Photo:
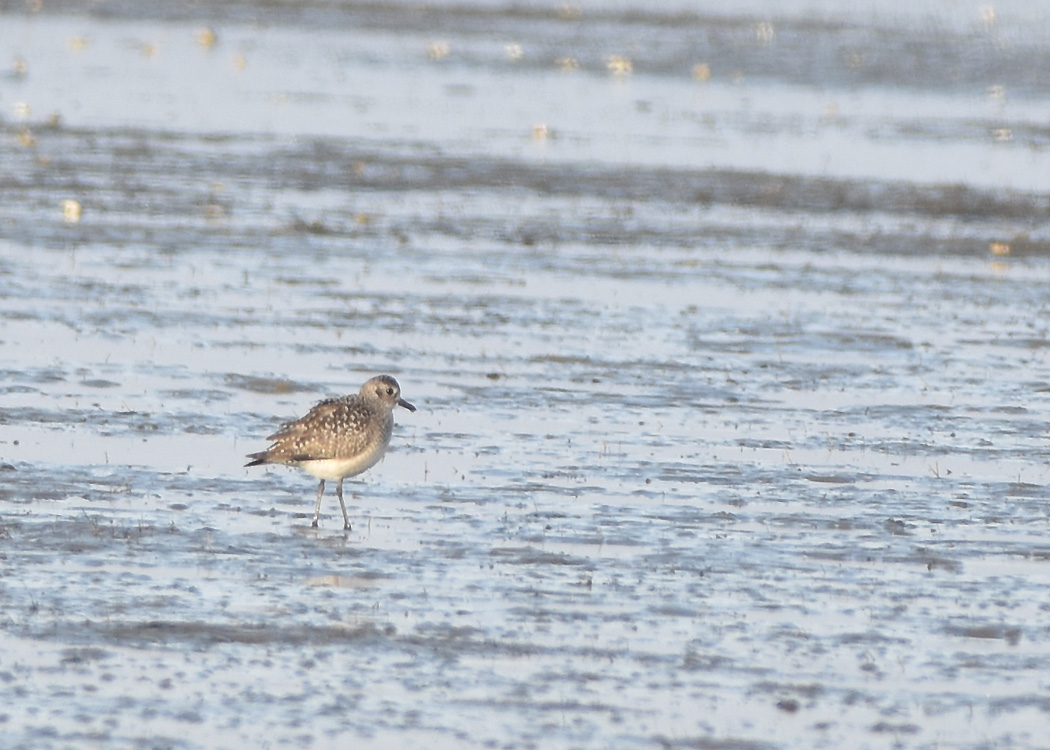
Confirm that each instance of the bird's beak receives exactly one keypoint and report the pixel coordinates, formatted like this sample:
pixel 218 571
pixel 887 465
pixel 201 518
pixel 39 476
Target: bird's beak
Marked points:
pixel 402 402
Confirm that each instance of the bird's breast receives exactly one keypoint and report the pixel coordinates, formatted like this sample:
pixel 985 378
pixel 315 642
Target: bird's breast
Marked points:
pixel 340 468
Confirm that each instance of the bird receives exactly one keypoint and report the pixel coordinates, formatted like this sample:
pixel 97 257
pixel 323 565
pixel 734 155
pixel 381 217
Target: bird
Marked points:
pixel 339 437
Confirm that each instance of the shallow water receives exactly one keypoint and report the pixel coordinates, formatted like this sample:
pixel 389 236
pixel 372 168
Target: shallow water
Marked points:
pixel 732 392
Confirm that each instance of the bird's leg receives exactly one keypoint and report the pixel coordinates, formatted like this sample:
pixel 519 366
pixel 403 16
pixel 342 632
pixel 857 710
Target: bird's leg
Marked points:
pixel 317 508
pixel 339 494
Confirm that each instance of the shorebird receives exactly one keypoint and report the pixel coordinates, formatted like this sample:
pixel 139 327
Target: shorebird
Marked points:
pixel 338 438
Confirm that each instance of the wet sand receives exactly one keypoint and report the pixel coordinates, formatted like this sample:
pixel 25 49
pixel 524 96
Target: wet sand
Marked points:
pixel 732 380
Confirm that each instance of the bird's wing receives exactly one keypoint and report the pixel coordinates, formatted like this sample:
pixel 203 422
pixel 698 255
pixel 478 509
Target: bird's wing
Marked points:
pixel 306 422
pixel 329 430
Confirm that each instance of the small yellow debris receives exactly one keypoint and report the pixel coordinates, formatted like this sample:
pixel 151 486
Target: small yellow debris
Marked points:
pixel 619 65
pixel 438 50
pixel 214 211
pixel 1002 135
pixel 999 248
pixel 540 132
pixel 566 64
pixel 26 138
pixel 240 62
pixel 20 67
pixel 337 581
pixel 570 12
pixel 206 37
pixel 22 110
pixel 71 211
pixel 149 49
pixel 701 71
pixel 77 43
pixel 514 51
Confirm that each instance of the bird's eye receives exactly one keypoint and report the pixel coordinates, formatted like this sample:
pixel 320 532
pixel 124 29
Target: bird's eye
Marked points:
pixel 389 391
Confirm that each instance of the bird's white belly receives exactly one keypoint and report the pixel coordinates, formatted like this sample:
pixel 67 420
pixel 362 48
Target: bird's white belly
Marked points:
pixel 339 468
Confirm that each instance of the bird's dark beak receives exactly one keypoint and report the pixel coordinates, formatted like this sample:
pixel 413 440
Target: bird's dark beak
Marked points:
pixel 402 402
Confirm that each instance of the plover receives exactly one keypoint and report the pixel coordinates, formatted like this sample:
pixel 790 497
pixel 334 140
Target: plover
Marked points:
pixel 338 438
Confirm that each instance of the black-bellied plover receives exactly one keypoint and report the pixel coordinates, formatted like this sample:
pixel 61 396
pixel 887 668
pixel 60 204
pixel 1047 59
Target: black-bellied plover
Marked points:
pixel 338 438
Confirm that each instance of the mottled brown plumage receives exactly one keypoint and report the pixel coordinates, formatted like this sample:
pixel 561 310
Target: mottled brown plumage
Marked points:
pixel 338 438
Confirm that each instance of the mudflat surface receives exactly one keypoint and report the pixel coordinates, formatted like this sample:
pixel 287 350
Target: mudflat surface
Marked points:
pixel 728 331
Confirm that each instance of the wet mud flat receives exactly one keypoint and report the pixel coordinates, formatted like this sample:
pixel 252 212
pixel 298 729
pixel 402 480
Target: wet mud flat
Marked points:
pixel 710 452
